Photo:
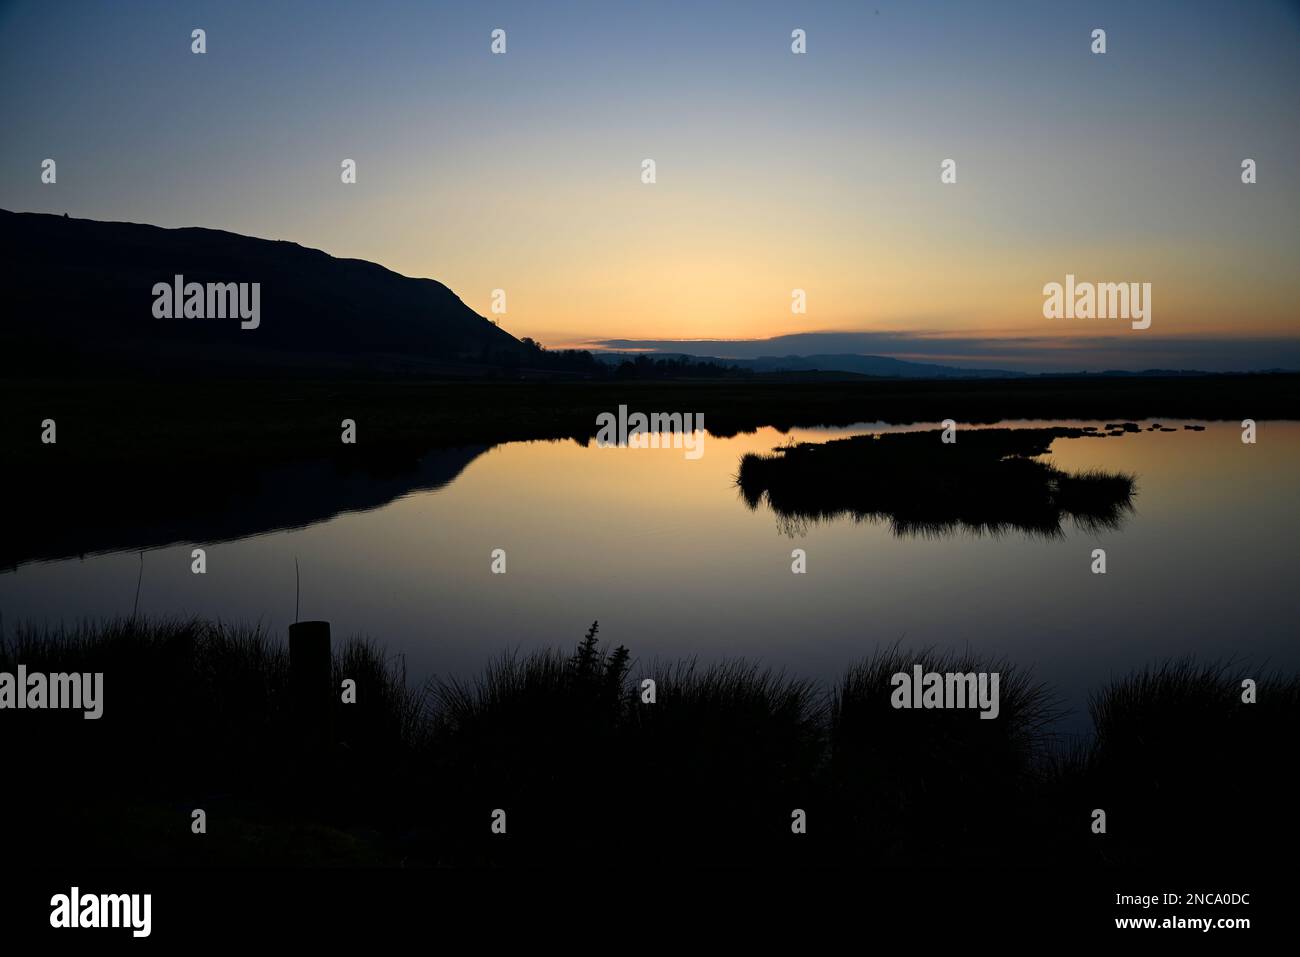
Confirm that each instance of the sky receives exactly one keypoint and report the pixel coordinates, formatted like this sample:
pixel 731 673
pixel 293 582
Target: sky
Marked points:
pixel 774 171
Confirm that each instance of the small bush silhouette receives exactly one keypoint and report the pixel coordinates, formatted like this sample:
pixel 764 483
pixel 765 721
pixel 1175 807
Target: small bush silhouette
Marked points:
pixel 988 482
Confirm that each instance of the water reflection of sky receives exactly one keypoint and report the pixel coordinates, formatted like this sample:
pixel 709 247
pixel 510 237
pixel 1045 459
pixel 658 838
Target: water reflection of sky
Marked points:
pixel 662 551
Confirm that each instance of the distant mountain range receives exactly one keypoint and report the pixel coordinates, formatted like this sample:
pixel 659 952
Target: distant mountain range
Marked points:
pixel 82 291
pixel 855 364
pixel 850 365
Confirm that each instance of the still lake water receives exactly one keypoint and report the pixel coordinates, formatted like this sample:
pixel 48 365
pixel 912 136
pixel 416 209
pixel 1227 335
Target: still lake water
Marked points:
pixel 664 553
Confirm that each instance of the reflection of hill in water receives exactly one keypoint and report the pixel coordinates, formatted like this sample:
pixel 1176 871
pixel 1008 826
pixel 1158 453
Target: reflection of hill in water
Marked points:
pixel 196 506
pixel 988 481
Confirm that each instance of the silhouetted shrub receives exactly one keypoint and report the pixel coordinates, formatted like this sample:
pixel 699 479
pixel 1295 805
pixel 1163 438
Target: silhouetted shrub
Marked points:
pixel 905 780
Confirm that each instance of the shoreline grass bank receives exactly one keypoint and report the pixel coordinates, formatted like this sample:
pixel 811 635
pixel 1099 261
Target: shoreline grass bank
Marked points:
pixel 198 715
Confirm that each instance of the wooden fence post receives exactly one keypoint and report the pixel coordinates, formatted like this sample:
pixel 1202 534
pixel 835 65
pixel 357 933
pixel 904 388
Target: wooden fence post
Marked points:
pixel 311 685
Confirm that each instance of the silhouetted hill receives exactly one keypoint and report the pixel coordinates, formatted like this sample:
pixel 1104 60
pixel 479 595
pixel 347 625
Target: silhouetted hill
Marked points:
pixel 82 291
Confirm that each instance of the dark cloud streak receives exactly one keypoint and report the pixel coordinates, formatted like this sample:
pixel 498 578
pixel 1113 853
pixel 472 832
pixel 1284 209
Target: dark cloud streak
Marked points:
pixel 1089 353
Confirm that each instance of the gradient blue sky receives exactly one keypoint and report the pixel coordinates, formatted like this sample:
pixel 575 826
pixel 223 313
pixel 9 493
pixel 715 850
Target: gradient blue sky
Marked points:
pixel 775 171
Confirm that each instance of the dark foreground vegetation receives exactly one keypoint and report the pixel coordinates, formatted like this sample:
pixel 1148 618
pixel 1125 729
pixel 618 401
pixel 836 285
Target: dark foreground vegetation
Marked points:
pixel 989 482
pixel 198 715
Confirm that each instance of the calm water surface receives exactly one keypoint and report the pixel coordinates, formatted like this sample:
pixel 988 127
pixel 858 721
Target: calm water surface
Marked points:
pixel 664 553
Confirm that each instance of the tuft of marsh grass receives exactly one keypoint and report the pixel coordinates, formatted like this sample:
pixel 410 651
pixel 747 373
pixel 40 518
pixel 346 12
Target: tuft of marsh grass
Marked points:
pixel 906 778
pixel 394 716
pixel 1187 769
pixel 724 755
pixel 199 711
pixel 568 737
